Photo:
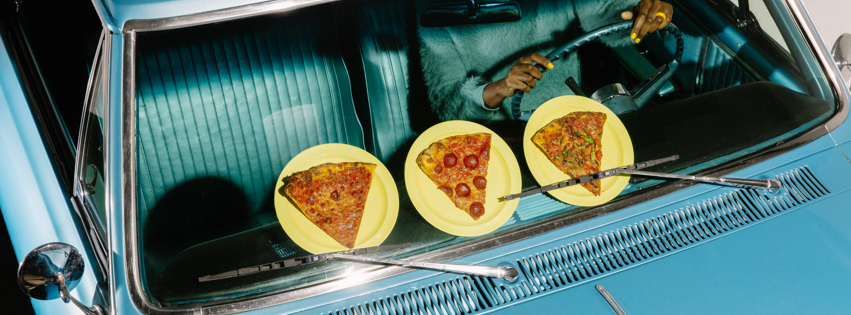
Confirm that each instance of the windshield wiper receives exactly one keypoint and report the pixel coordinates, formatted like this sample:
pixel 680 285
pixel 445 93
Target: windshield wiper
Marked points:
pixel 299 261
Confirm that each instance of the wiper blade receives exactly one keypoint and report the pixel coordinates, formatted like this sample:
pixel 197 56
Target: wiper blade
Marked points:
pixel 299 261
pixel 590 177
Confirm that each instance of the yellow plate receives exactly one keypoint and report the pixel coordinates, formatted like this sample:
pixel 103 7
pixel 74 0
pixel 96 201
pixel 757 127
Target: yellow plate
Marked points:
pixel 617 151
pixel 503 179
pixel 379 216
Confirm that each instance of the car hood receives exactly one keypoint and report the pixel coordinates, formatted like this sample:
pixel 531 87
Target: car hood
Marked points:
pixel 114 13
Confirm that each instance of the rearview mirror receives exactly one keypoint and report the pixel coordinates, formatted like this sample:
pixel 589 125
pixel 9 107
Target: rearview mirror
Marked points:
pixel 470 12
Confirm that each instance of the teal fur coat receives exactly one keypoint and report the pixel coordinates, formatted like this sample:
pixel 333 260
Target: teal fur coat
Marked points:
pixel 458 62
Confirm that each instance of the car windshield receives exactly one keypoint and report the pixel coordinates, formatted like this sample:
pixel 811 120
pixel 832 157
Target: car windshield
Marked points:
pixel 227 111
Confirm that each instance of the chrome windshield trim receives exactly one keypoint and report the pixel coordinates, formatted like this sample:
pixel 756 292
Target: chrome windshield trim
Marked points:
pixel 130 236
pixel 805 24
pixel 107 67
pixel 222 15
pixel 128 167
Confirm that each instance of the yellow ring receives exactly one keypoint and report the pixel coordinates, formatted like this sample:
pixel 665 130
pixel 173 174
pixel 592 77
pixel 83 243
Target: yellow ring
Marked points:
pixel 664 17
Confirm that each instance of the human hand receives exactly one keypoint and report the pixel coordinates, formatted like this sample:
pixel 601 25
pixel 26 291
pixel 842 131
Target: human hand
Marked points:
pixel 522 76
pixel 652 15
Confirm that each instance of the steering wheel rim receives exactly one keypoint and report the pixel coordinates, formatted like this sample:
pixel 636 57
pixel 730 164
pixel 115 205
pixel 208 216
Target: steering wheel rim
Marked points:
pixel 595 35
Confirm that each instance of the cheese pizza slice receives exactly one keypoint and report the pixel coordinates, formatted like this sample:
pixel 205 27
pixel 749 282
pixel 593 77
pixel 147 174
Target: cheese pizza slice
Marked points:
pixel 333 196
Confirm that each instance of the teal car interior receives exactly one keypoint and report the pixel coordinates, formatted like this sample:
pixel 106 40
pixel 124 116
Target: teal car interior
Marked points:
pixel 193 108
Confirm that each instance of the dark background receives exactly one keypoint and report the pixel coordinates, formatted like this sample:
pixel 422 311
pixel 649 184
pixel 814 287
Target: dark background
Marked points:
pixel 62 35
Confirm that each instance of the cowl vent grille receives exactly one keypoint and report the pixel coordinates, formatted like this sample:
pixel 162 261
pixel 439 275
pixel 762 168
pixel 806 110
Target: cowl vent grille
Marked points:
pixel 462 295
pixel 668 232
pixel 579 261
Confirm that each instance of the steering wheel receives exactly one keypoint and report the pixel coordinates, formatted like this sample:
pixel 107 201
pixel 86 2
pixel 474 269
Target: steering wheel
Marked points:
pixel 614 96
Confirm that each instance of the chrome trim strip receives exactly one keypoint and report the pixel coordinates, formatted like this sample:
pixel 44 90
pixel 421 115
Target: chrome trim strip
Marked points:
pixel 610 299
pixel 806 26
pixel 222 15
pixel 86 105
pixel 108 191
pixel 128 166
pixel 143 301
pixel 98 246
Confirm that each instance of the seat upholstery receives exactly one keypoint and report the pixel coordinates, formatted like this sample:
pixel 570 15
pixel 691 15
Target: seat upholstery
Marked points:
pixel 237 103
pixel 719 70
pixel 384 52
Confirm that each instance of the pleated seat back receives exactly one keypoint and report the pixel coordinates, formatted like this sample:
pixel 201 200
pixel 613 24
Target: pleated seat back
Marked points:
pixel 237 103
pixel 384 52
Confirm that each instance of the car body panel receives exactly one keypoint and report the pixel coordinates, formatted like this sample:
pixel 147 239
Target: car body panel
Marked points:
pixel 34 205
pixel 727 272
pixel 32 200
pixel 757 270
pixel 348 297
pixel 121 300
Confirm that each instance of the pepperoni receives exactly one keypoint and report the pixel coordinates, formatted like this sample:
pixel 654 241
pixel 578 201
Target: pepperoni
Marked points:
pixel 450 160
pixel 471 161
pixel 334 195
pixel 477 210
pixel 446 190
pixel 480 182
pixel 462 190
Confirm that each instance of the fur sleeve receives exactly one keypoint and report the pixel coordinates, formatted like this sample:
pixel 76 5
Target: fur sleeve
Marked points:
pixel 594 14
pixel 451 89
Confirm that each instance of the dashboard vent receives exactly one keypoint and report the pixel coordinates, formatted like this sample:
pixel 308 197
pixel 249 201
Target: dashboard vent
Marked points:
pixel 579 261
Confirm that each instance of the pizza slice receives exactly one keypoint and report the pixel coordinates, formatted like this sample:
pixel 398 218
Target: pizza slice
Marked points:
pixel 333 196
pixel 573 144
pixel 458 165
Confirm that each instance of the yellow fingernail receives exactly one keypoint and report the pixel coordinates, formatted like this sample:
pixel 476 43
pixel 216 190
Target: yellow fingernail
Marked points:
pixel 637 40
pixel 550 65
pixel 633 36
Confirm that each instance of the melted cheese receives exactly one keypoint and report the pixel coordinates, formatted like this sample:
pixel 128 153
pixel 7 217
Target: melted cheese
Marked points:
pixel 333 196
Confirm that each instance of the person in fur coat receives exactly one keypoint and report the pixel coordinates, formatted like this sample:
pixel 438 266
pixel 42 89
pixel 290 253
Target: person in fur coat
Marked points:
pixel 473 70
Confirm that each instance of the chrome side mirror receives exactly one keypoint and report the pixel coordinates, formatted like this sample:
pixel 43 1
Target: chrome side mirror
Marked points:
pixel 51 271
pixel 841 53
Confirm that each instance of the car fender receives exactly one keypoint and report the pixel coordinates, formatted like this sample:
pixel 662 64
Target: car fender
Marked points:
pixel 34 205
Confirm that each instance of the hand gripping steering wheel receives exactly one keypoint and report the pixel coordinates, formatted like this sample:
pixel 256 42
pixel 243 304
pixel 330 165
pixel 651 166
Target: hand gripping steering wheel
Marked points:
pixel 613 96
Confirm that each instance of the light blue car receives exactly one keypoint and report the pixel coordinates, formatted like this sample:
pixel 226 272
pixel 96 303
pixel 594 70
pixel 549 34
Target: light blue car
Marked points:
pixel 168 201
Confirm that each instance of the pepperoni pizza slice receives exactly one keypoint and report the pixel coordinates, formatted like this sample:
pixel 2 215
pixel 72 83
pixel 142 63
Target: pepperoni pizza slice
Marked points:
pixel 333 196
pixel 458 165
